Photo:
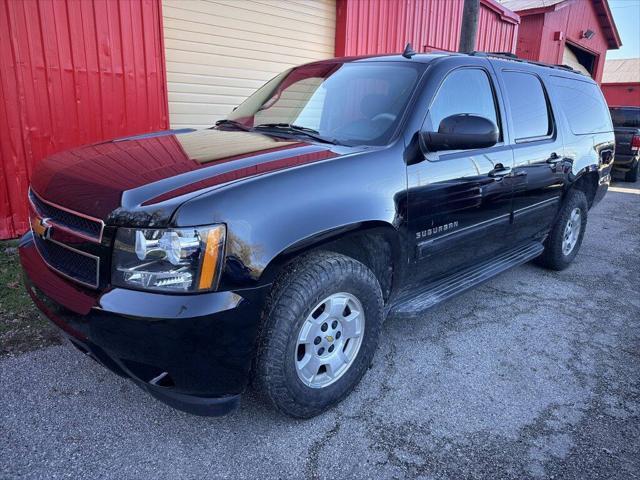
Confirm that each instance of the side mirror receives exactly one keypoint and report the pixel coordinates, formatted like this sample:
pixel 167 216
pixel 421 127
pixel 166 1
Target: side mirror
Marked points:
pixel 461 132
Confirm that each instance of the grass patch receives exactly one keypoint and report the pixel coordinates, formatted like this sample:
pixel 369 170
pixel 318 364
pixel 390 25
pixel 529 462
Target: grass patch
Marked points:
pixel 22 328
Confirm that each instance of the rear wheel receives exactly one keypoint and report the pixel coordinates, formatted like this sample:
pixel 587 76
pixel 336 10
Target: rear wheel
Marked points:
pixel 565 238
pixel 320 335
pixel 632 175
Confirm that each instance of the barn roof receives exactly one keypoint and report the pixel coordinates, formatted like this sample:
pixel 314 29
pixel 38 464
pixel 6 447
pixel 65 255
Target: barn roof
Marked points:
pixel 626 70
pixel 519 5
pixel 530 7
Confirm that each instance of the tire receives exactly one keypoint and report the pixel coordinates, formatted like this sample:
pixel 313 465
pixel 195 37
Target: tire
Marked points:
pixel 555 255
pixel 632 175
pixel 296 303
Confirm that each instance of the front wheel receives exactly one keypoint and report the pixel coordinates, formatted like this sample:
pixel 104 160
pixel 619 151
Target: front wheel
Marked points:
pixel 565 238
pixel 320 335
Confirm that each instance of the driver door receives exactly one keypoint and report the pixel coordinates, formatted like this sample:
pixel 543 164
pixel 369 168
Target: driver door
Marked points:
pixel 459 202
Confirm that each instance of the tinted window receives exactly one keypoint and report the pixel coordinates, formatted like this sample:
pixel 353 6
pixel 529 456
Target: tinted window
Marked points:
pixel 463 91
pixel 354 103
pixel 528 102
pixel 583 105
pixel 625 117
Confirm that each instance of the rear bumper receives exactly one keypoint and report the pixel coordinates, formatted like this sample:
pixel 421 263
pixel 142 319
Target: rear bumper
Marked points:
pixel 193 352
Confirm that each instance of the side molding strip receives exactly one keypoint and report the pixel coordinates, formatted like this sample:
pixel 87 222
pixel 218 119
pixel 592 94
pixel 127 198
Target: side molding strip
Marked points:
pixel 535 206
pixel 429 247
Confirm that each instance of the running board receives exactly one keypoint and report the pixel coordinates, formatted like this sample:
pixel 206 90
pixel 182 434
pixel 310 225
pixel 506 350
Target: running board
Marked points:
pixel 419 298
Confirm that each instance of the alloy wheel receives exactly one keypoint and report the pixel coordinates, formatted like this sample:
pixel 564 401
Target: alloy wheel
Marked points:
pixel 571 231
pixel 329 340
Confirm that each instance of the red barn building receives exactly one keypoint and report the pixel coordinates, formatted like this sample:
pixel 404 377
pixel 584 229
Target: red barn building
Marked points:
pixel 577 33
pixel 366 27
pixel 621 82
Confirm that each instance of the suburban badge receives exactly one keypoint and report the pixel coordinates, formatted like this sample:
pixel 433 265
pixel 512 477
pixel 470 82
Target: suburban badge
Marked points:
pixel 439 229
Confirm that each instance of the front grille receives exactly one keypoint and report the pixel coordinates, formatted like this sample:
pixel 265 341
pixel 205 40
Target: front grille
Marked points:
pixel 53 227
pixel 74 222
pixel 72 263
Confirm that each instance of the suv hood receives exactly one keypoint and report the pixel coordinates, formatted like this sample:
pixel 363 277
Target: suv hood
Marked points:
pixel 143 179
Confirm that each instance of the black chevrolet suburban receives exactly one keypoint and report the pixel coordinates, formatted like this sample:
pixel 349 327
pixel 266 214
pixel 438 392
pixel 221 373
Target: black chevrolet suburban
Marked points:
pixel 269 248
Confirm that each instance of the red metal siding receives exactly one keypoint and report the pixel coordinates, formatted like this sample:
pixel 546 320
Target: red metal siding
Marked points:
pixel 367 27
pixel 497 28
pixel 73 72
pixel 538 41
pixel 529 35
pixel 622 94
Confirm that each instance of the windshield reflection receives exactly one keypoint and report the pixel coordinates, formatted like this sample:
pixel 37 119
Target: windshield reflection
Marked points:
pixel 358 103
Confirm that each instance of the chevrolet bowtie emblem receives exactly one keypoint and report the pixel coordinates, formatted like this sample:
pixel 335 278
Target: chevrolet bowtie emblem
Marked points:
pixel 40 227
pixel 329 338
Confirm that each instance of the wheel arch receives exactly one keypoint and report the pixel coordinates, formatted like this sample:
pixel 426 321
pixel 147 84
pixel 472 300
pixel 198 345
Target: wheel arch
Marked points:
pixel 587 181
pixel 376 244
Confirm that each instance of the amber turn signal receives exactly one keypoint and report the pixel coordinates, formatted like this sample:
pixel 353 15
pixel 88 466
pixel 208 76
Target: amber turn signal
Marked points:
pixel 212 257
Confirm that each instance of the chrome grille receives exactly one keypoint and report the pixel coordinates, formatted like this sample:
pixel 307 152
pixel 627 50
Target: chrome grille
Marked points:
pixel 73 222
pixel 71 261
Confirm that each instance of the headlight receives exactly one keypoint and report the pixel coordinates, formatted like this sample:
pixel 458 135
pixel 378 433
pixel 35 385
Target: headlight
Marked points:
pixel 170 260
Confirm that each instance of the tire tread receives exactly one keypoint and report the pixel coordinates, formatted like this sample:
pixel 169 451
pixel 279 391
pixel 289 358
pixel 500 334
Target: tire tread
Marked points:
pixel 552 256
pixel 291 294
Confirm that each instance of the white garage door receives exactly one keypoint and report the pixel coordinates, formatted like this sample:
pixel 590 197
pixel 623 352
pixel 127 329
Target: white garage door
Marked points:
pixel 218 52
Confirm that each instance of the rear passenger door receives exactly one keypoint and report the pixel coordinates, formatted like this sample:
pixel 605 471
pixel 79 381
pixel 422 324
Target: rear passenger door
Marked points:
pixel 538 150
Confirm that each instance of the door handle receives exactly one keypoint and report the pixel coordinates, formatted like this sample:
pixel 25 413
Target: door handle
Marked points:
pixel 500 171
pixel 554 158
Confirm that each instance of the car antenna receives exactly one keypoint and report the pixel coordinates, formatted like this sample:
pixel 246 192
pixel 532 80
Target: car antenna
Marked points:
pixel 408 51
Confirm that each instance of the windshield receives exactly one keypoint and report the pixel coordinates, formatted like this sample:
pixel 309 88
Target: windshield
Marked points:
pixel 625 117
pixel 351 103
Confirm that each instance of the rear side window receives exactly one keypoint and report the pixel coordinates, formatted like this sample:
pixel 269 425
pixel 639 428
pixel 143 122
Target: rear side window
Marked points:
pixel 529 111
pixel 583 105
pixel 464 91
pixel 626 117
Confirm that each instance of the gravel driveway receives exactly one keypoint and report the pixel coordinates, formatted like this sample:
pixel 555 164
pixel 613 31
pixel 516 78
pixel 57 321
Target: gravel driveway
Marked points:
pixel 535 374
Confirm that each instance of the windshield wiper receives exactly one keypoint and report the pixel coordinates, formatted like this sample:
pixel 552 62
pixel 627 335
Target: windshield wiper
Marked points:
pixel 232 123
pixel 290 128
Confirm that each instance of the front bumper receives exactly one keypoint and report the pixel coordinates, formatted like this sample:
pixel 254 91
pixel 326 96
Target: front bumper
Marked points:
pixel 194 352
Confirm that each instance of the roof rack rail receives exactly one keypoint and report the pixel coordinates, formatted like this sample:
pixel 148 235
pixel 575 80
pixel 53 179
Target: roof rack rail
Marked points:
pixel 503 54
pixel 514 57
pixel 566 67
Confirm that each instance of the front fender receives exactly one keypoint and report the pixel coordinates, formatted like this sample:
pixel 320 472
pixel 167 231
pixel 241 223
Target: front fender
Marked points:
pixel 270 215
